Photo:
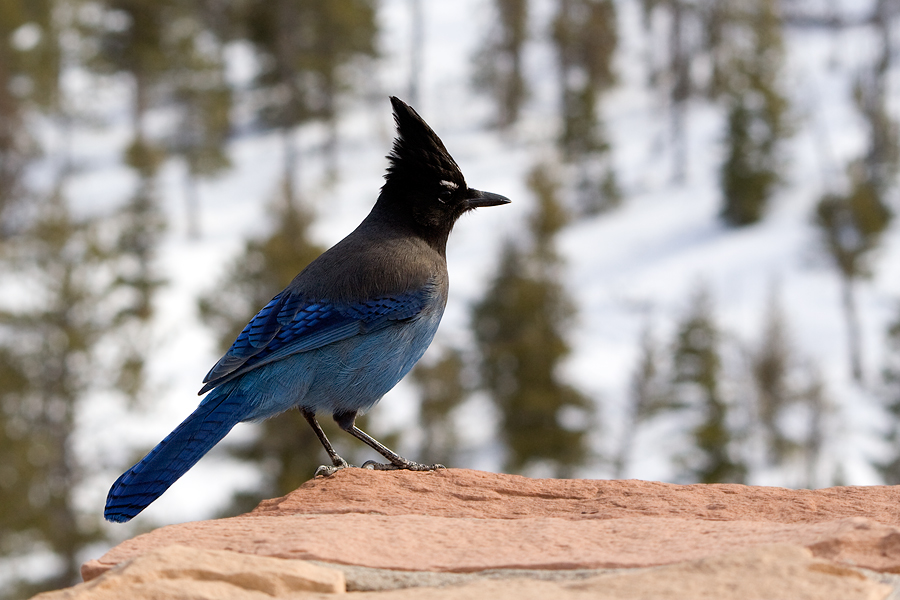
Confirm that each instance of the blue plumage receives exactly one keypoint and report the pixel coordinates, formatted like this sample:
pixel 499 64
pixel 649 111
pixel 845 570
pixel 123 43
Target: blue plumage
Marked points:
pixel 143 483
pixel 343 333
pixel 289 324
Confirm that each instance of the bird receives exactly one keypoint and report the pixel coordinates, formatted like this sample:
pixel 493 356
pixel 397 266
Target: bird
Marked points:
pixel 343 333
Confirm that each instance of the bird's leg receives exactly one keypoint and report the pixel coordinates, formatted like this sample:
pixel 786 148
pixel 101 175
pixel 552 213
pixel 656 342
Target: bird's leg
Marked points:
pixel 347 422
pixel 337 462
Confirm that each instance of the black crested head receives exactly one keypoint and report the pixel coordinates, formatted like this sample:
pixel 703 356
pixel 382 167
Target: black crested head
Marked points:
pixel 419 156
pixel 423 182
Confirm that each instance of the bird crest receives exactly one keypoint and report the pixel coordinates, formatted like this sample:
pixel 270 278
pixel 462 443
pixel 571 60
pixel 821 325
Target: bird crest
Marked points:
pixel 418 158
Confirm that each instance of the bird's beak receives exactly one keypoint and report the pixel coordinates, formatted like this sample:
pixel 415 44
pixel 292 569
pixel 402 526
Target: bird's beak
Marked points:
pixel 477 199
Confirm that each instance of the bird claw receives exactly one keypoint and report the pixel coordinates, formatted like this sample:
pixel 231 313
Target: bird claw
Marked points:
pixel 329 470
pixel 407 465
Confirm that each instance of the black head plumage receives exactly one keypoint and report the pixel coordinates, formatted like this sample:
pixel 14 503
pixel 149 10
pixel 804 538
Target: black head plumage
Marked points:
pixel 422 178
pixel 419 157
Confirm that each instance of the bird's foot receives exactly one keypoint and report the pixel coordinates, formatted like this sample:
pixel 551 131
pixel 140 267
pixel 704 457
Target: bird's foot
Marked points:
pixel 329 470
pixel 405 465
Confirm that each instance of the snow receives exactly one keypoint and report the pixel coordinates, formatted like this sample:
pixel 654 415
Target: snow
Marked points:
pixel 639 261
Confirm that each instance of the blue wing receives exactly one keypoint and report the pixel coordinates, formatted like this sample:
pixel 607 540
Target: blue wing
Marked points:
pixel 290 323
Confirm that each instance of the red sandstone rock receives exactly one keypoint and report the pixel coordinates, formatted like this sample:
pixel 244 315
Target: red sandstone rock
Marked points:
pixel 460 520
pixel 759 573
pixel 190 573
pixel 459 493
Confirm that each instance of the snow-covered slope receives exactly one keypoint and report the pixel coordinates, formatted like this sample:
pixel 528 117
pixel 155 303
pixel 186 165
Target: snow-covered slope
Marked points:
pixel 637 262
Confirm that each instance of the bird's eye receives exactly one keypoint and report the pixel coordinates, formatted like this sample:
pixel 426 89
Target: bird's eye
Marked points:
pixel 446 190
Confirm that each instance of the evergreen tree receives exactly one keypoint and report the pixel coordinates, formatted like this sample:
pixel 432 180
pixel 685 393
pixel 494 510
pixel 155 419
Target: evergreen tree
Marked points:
pixel 262 270
pixel 520 329
pixel 62 322
pixel 53 346
pixel 443 389
pixel 748 71
pixel 202 99
pixel 691 35
pixel 814 398
pixel 498 63
pixel 303 48
pixel 585 36
pixel 39 403
pixel 851 225
pixel 133 40
pixel 771 367
pixel 788 389
pixel 850 228
pixel 890 468
pixel 881 160
pixel 172 51
pixel 416 50
pixel 286 449
pixel 648 396
pixel 29 65
pixel 697 380
pixel 29 70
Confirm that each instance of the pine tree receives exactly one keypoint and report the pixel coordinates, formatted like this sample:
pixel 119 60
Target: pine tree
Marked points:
pixel 139 46
pixel 771 367
pixel 202 99
pixel 173 54
pixel 131 40
pixel 697 380
pixel 818 407
pixel 443 389
pixel 851 224
pixel 881 161
pixel 851 227
pixel 498 63
pixel 890 468
pixel 39 407
pixel 648 396
pixel 29 71
pixel 303 49
pixel 286 449
pixel 67 328
pixel 789 389
pixel 585 36
pixel 520 329
pixel 416 50
pixel 748 75
pixel 74 326
pixel 691 36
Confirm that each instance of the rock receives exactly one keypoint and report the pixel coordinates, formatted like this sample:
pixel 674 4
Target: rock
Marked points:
pixel 464 521
pixel 461 493
pixel 763 572
pixel 180 572
pixel 760 573
pixel 422 543
pixel 465 534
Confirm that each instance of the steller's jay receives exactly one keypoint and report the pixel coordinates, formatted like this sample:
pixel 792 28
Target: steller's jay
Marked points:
pixel 343 332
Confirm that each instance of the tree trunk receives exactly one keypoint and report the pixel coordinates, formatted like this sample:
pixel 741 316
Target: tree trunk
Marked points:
pixel 416 45
pixel 854 337
pixel 290 166
pixel 192 205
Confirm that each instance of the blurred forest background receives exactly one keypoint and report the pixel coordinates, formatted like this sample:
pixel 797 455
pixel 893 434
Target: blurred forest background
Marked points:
pixel 696 281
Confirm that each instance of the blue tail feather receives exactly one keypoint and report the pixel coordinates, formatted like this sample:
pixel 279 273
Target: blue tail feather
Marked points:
pixel 171 458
